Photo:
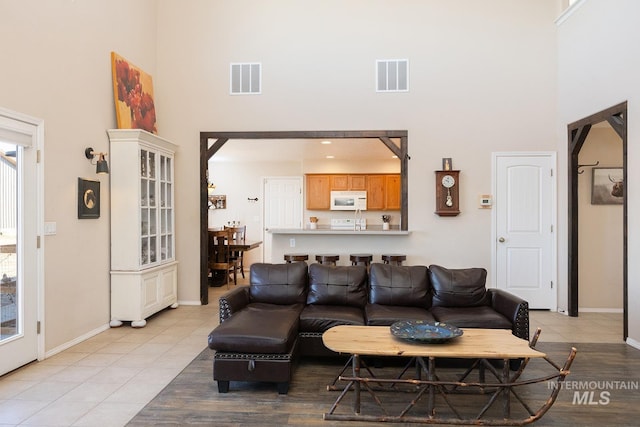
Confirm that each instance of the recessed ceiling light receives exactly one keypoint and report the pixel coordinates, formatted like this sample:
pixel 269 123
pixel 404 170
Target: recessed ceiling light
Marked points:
pixel 325 142
pixel 331 157
pixel 394 157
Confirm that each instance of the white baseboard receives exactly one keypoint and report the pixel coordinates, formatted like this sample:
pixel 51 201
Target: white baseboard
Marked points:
pixel 75 341
pixel 197 302
pixel 633 343
pixel 600 310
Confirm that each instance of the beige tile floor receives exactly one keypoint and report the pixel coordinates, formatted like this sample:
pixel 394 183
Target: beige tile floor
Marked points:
pixel 104 381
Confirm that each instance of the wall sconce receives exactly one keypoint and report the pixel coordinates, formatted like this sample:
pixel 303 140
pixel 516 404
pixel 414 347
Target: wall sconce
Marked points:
pixel 102 167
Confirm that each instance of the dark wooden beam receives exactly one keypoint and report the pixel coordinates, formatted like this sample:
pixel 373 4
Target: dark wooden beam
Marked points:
pixel 306 134
pixel 216 146
pixel 204 222
pixel 391 146
pixel 577 136
pixel 221 138
pixel 616 116
pixel 618 123
pixel 404 183
pixel 600 116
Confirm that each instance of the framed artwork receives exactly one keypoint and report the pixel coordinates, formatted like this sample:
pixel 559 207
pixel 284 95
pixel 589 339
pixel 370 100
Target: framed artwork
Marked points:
pixel 447 165
pixel 88 199
pixel 607 186
pixel 133 95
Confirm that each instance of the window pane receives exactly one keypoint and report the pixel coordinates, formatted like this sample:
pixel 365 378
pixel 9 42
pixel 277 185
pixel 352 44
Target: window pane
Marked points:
pixel 10 299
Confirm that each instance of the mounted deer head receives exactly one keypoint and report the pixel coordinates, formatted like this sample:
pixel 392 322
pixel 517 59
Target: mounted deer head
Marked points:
pixel 618 187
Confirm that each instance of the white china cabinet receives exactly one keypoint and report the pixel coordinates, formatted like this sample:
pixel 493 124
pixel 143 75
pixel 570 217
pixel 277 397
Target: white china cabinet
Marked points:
pixel 144 270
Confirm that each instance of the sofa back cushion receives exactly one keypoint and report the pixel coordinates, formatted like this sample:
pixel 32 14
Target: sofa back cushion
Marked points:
pixel 458 287
pixel 342 285
pixel 399 285
pixel 278 283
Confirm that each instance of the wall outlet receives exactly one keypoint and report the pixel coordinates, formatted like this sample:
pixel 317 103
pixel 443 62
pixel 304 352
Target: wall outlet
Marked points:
pixel 292 243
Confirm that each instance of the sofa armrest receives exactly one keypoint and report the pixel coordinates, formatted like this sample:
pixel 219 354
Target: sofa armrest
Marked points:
pixel 513 308
pixel 233 301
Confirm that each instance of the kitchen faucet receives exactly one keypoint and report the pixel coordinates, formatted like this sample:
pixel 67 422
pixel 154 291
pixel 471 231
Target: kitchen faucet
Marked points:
pixel 357 225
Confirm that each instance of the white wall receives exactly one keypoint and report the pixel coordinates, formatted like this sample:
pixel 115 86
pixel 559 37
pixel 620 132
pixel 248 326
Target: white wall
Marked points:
pixel 598 68
pixel 56 66
pixel 482 79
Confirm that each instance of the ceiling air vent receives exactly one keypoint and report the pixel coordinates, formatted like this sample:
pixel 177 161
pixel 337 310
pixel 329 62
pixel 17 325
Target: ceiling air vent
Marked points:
pixel 392 75
pixel 246 78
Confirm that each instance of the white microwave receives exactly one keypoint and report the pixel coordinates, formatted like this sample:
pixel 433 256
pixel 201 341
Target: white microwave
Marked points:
pixel 348 200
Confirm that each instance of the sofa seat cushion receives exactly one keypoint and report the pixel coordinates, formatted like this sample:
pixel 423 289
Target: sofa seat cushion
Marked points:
pixel 341 285
pixel 463 287
pixel 386 315
pixel 319 318
pixel 471 317
pixel 399 285
pixel 258 328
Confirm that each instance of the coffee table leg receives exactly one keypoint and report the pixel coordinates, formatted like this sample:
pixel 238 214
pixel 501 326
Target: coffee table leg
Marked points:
pixel 506 391
pixel 356 386
pixel 432 395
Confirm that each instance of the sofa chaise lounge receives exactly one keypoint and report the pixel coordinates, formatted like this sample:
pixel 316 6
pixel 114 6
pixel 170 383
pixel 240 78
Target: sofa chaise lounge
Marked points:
pixel 286 308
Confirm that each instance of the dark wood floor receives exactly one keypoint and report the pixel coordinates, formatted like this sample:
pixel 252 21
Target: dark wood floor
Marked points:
pixel 192 397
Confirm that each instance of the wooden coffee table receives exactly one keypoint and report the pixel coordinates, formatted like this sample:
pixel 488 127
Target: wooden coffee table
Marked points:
pixel 481 345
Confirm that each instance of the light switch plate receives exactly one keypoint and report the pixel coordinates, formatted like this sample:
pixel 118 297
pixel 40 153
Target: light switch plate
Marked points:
pixel 485 201
pixel 50 228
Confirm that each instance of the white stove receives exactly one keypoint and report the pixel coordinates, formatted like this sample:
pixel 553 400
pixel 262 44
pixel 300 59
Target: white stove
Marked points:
pixel 348 224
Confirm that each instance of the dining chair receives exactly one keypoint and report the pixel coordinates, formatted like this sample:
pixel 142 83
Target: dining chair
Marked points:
pixel 239 234
pixel 220 257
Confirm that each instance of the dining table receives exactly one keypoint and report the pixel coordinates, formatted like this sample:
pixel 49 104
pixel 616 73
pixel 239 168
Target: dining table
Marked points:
pixel 239 244
pixel 236 245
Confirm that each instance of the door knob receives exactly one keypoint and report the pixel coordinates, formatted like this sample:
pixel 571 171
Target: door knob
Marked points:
pixel 501 240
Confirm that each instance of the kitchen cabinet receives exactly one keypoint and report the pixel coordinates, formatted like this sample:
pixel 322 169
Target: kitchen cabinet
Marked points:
pixel 383 190
pixel 144 270
pixel 318 192
pixel 339 182
pixel 357 182
pixel 392 192
pixel 376 192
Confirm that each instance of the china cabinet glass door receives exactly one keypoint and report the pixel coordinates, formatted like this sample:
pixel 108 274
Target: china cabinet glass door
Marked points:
pixel 166 209
pixel 156 208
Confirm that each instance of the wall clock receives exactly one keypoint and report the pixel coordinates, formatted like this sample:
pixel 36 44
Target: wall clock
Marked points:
pixel 447 193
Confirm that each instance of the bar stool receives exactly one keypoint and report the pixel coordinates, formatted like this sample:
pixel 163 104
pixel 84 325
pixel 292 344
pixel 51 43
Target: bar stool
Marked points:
pixel 289 258
pixel 363 259
pixel 328 259
pixel 393 259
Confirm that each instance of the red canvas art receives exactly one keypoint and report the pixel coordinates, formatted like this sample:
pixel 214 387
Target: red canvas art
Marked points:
pixel 133 95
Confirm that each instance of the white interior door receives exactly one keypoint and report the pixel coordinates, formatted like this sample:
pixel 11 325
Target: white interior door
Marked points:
pixel 20 263
pixel 282 207
pixel 524 227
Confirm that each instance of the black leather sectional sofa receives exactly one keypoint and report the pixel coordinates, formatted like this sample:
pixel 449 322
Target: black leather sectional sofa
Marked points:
pixel 286 308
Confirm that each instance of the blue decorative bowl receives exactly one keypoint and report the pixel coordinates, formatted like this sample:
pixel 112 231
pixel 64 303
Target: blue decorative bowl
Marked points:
pixel 424 332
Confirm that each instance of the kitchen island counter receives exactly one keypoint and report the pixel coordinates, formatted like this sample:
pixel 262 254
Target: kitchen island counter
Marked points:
pixel 371 230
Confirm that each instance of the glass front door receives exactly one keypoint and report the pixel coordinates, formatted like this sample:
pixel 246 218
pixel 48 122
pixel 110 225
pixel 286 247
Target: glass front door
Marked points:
pixel 20 259
pixel 9 296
